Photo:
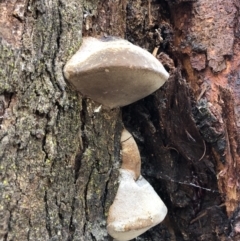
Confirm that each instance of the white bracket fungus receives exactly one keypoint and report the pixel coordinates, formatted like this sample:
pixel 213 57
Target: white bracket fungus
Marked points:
pixel 136 207
pixel 114 72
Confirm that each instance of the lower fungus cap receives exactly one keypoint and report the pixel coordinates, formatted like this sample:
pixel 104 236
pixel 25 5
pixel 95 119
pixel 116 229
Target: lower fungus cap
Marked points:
pixel 114 73
pixel 136 208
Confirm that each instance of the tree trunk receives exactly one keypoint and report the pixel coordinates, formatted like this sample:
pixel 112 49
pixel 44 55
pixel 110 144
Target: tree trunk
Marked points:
pixel 59 155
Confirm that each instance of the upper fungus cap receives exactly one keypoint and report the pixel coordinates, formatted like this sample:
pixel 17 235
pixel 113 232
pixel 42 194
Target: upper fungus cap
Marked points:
pixel 114 72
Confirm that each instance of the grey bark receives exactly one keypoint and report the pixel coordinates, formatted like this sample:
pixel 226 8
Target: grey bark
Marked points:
pixel 57 155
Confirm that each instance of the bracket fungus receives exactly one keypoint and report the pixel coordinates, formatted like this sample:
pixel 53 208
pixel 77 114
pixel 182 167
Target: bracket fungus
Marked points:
pixel 136 207
pixel 131 159
pixel 114 72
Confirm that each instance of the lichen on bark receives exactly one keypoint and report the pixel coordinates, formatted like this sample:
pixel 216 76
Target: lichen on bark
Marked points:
pixel 44 194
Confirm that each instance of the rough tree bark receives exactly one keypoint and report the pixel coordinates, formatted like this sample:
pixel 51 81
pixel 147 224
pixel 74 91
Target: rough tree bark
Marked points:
pixel 59 158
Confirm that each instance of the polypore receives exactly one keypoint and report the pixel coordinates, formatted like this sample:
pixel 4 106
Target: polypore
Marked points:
pixel 114 72
pixel 131 159
pixel 136 207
